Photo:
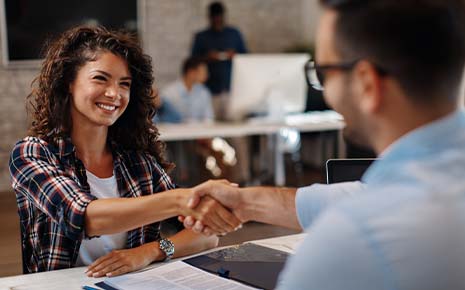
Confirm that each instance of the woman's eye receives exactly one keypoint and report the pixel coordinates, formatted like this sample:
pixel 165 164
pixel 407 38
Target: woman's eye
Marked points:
pixel 100 78
pixel 126 84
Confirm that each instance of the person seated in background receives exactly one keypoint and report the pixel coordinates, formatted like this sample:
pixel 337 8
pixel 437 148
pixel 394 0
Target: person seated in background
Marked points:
pixel 166 113
pixel 393 69
pixel 91 181
pixel 188 100
pixel 187 97
pixel 218 44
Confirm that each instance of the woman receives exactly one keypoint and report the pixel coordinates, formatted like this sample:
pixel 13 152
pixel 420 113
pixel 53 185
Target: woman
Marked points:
pixel 85 177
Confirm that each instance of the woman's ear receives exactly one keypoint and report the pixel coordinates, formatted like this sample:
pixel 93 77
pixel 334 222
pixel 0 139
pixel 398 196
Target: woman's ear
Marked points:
pixel 70 89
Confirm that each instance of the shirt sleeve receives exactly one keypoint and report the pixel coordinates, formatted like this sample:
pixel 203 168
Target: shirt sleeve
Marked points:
pixel 196 46
pixel 37 177
pixel 334 255
pixel 161 179
pixel 312 200
pixel 241 47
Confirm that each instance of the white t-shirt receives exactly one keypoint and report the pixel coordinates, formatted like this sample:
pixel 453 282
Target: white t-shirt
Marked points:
pixel 92 249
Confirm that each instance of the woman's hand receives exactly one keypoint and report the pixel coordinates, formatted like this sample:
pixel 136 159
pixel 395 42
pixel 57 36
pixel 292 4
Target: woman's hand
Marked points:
pixel 212 214
pixel 123 261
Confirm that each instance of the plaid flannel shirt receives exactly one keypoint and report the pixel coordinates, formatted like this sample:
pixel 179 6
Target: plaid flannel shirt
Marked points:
pixel 52 194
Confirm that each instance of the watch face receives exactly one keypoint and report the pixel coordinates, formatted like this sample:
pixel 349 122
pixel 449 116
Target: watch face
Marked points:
pixel 167 247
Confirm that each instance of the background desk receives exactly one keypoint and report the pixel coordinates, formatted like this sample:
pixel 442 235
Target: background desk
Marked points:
pixel 74 279
pixel 308 122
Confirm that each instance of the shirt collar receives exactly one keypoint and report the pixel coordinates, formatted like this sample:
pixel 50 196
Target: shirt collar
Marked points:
pixel 417 143
pixel 65 147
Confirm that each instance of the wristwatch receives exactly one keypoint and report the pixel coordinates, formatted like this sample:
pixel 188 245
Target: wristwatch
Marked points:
pixel 167 247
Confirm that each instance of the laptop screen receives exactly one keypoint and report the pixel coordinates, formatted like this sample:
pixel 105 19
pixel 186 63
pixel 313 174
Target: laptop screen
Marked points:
pixel 342 170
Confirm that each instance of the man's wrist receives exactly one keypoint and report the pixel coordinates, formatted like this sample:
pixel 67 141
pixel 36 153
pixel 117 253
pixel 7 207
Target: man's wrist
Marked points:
pixel 245 205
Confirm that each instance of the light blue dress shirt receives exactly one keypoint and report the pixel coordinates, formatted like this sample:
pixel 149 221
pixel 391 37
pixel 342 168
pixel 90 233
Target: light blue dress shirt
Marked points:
pixel 404 229
pixel 194 105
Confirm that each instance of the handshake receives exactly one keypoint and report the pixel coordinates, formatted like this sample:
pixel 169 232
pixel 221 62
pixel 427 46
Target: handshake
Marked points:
pixel 214 207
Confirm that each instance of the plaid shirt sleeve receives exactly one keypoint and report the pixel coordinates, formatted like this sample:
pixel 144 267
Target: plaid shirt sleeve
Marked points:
pixel 38 176
pixel 164 182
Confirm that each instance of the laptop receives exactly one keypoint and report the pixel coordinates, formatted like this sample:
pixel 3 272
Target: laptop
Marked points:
pixel 342 170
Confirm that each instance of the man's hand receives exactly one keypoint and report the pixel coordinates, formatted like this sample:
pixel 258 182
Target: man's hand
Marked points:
pixel 213 55
pixel 123 261
pixel 230 53
pixel 212 214
pixel 221 190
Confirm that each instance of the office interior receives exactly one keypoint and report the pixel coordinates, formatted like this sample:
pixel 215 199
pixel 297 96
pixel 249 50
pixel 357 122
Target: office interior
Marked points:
pixel 281 148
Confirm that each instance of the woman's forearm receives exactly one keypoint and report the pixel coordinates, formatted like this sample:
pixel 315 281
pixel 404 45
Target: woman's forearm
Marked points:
pixel 115 215
pixel 186 242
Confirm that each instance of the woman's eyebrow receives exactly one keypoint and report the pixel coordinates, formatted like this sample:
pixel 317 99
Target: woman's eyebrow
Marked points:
pixel 109 75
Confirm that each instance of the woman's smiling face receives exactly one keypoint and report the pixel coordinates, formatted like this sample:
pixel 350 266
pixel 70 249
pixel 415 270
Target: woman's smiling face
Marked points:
pixel 101 90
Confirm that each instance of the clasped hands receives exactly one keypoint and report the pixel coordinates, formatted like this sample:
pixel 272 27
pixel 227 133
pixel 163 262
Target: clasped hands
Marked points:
pixel 211 208
pixel 214 208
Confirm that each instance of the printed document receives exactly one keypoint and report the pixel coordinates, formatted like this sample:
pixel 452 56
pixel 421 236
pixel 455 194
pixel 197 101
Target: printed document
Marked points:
pixel 174 276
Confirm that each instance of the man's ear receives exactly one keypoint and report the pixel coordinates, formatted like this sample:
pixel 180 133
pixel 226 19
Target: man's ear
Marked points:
pixel 368 87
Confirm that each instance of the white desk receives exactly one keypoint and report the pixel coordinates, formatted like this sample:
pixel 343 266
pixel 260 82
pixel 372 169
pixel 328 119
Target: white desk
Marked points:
pixel 74 279
pixel 308 122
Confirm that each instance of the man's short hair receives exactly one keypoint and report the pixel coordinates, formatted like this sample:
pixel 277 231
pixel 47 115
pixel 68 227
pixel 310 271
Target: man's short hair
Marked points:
pixel 216 9
pixel 421 43
pixel 191 63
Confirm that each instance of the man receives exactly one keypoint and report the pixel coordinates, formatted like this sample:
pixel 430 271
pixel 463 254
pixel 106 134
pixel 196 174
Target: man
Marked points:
pixel 188 96
pixel 218 44
pixel 393 70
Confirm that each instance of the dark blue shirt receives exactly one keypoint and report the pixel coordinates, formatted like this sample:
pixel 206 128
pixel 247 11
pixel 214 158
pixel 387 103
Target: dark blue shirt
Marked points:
pixel 220 71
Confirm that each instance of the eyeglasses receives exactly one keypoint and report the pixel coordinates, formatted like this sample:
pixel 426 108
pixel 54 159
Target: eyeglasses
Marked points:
pixel 315 74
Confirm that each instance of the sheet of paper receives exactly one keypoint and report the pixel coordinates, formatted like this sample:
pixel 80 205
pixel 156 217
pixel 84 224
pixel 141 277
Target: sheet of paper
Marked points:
pixel 174 276
pixel 287 244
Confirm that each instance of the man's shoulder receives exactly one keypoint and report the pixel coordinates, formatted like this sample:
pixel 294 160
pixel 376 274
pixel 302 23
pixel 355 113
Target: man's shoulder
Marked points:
pixel 380 200
pixel 202 33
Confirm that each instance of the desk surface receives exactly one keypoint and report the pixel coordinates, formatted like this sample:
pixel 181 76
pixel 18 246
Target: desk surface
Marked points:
pixel 75 278
pixel 308 122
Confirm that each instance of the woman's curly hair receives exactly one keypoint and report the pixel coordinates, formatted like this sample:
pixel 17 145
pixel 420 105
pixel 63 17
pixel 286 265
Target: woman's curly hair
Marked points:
pixel 50 98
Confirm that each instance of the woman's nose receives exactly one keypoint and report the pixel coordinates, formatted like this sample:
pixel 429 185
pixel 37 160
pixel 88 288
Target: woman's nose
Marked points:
pixel 111 92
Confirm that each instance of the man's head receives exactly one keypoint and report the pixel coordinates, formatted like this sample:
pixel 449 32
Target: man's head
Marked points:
pixel 216 13
pixel 391 53
pixel 195 69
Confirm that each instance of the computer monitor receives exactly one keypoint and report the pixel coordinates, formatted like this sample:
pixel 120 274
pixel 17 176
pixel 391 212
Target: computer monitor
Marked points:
pixel 267 84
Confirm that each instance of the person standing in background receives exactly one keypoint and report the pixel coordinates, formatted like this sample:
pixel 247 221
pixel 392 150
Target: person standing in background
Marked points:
pixel 218 44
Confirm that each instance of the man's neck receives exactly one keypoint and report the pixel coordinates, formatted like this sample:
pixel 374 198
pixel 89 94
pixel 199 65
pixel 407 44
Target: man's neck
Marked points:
pixel 406 122
pixel 217 29
pixel 188 83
